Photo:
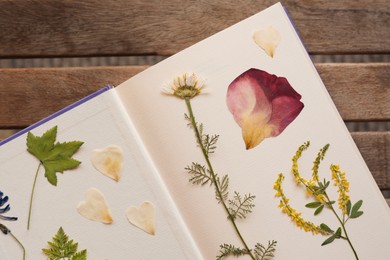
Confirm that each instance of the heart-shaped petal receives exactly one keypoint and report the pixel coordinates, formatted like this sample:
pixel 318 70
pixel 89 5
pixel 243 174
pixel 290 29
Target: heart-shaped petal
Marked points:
pixel 143 217
pixel 108 161
pixel 95 207
pixel 267 39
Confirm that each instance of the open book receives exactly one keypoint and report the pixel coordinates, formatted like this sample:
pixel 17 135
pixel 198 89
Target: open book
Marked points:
pixel 183 161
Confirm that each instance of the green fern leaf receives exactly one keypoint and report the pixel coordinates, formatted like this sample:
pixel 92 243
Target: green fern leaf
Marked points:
pixel 62 248
pixel 265 253
pixel 223 187
pixel 199 174
pixel 241 207
pixel 230 250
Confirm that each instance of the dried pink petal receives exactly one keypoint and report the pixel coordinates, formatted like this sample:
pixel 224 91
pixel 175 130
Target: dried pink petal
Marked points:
pixel 262 104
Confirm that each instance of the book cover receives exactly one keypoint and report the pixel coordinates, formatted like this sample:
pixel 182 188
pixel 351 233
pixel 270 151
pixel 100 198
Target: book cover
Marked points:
pixel 230 148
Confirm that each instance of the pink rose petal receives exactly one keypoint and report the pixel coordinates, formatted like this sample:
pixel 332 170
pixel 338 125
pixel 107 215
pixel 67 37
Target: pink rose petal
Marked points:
pixel 262 104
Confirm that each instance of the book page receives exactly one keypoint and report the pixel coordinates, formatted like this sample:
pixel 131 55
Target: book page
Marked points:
pixel 252 157
pixel 121 214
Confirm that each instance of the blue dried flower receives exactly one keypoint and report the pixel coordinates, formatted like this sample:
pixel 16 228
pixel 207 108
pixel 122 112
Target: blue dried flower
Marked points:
pixel 3 210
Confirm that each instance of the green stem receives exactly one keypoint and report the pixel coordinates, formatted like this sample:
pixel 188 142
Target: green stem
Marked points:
pixel 337 216
pixel 20 244
pixel 214 179
pixel 342 226
pixel 32 196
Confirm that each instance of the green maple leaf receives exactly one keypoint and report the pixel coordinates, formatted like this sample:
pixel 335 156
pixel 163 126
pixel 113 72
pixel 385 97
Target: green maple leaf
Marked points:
pixel 54 156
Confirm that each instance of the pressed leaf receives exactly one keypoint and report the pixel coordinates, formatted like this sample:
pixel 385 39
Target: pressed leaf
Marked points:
pixel 230 250
pixel 349 205
pixel 356 214
pixel 62 248
pixel 40 146
pixel 338 233
pixel 318 210
pixel 313 205
pixel 356 206
pixel 65 149
pixel 55 157
pixel 59 165
pixel 326 228
pixel 329 240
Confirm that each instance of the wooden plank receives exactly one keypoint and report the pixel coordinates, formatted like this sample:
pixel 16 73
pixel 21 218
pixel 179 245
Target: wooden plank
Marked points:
pixel 38 28
pixel 360 91
pixel 29 95
pixel 375 149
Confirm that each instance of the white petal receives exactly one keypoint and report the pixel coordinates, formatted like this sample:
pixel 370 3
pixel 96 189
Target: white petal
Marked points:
pixel 143 217
pixel 167 90
pixel 108 161
pixel 267 39
pixel 95 207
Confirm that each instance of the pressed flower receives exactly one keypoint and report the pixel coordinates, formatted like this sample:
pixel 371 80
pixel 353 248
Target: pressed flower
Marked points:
pixel 4 209
pixel 342 183
pixel 318 190
pixel 267 39
pixel 187 85
pixel 262 104
pixel 236 207
pixel 294 215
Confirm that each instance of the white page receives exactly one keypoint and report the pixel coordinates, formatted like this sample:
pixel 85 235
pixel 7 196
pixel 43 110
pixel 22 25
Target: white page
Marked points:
pixel 99 122
pixel 219 59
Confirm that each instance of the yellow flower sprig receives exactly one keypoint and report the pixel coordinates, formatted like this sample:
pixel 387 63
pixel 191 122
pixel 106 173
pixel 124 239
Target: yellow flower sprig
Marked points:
pixel 294 215
pixel 317 189
pixel 342 183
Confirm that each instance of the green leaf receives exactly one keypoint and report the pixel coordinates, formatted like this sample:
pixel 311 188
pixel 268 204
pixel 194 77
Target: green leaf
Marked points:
pixel 82 255
pixel 40 146
pixel 59 165
pixel 338 233
pixel 356 206
pixel 349 205
pixel 230 250
pixel 326 228
pixel 329 240
pixel 62 248
pixel 223 186
pixel 318 210
pixel 356 214
pixel 265 253
pixel 65 149
pixel 55 157
pixel 199 174
pixel 313 205
pixel 240 207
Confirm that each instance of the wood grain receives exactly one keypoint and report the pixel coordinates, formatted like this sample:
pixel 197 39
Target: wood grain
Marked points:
pixel 375 149
pixel 360 91
pixel 47 28
pixel 28 95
